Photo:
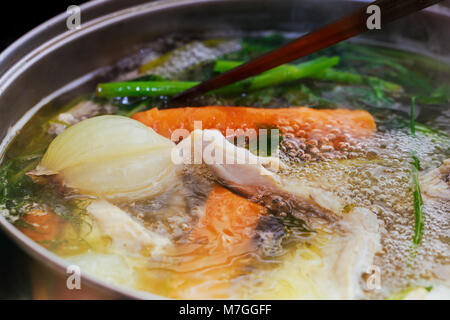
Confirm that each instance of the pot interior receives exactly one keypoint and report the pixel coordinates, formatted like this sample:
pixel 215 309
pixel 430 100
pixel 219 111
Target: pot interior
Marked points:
pixel 57 67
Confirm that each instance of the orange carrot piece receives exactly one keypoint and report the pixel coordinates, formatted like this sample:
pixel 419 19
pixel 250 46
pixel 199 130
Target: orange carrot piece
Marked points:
pixel 228 220
pixel 218 247
pixel 299 121
pixel 43 225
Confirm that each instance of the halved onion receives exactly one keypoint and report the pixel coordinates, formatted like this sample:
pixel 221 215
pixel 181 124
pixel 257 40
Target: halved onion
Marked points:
pixel 111 157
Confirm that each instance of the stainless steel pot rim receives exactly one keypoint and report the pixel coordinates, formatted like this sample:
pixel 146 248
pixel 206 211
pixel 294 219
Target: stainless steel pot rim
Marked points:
pixel 86 27
pixel 93 24
pixel 48 258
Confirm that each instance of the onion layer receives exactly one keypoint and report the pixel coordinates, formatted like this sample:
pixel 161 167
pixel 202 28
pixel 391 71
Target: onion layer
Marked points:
pixel 111 157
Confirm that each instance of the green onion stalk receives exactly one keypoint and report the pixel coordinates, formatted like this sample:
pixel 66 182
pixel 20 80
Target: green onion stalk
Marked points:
pixel 328 74
pixel 276 76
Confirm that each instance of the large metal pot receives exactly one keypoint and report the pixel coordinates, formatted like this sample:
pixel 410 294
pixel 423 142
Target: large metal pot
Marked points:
pixel 51 60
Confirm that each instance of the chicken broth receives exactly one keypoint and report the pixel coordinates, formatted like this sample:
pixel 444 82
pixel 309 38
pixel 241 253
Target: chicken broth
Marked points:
pixel 358 208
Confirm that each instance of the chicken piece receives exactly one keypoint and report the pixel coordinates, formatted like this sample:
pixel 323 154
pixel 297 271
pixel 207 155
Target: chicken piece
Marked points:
pixel 252 176
pixel 126 233
pixel 436 183
pixel 353 251
pixel 329 266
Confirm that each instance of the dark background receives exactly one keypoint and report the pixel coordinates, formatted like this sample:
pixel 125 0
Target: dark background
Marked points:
pixel 17 18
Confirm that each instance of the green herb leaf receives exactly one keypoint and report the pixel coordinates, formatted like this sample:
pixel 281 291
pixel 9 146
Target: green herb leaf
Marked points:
pixel 418 202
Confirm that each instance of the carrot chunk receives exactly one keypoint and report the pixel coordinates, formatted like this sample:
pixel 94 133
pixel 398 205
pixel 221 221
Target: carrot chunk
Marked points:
pixel 229 220
pixel 219 246
pixel 41 225
pixel 299 122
